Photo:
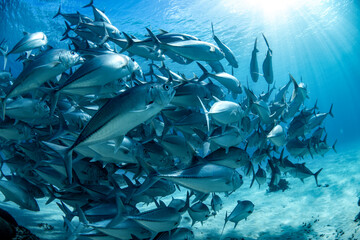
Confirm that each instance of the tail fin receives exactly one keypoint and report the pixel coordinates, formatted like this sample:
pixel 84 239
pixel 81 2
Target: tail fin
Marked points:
pixel 205 72
pixel 68 214
pixel 68 29
pixel 129 44
pixel 316 175
pixel 255 46
pixel 154 38
pixel 267 44
pixel 330 111
pixel 121 211
pixel 206 114
pixel 226 220
pixel 4 52
pixel 81 215
pixel 58 12
pixel 254 175
pixel 66 154
pixel 187 203
pixel 89 4
pixel 333 146
pixel 212 30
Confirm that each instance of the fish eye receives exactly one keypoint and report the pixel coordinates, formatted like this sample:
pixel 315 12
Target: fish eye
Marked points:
pixel 72 53
pixel 166 87
pixel 133 59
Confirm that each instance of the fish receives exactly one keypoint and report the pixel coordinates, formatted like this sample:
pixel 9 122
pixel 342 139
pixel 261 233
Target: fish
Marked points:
pixel 191 49
pixel 281 94
pixel 141 50
pixel 254 68
pixel 259 176
pixel 242 211
pixel 227 80
pixel 196 177
pixel 72 18
pixel 223 112
pixel 176 234
pixel 96 72
pixel 267 64
pixel 98 15
pixel 125 229
pixel 87 128
pixel 28 110
pixel 301 171
pixel 199 212
pixel 18 195
pixel 275 174
pixel 277 136
pixel 216 203
pixel 234 158
pixel 29 42
pixel 156 220
pixel 44 67
pixel 229 55
pixel 132 107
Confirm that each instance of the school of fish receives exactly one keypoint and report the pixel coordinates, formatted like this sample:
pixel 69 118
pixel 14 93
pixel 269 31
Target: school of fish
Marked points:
pixel 88 128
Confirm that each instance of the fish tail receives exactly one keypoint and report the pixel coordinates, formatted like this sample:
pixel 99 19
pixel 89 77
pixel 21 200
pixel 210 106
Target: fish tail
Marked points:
pixel 255 45
pixel 212 30
pixel 333 146
pixel 89 4
pixel 254 175
pixel 205 72
pixel 206 114
pixel 81 215
pixel 52 197
pixel 316 176
pixel 5 54
pixel 154 38
pixel 58 12
pixel 121 211
pixel 330 111
pixel 66 154
pixel 226 220
pixel 129 44
pixel 187 203
pixel 68 214
pixel 68 29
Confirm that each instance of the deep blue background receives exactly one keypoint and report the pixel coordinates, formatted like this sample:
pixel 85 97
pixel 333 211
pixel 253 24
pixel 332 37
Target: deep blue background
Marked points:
pixel 318 41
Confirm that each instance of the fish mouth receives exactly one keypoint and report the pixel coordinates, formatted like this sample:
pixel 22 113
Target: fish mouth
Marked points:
pixel 81 59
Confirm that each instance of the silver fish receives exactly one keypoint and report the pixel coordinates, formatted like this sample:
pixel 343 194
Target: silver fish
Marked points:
pixel 229 55
pixel 121 114
pixel 43 68
pixel 267 64
pixel 242 210
pixel 191 49
pixel 254 68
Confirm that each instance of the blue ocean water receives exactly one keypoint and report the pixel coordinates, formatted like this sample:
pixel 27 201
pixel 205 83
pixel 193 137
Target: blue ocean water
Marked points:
pixel 316 41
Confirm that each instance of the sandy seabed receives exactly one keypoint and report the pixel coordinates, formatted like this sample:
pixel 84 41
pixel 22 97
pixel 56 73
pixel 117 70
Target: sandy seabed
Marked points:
pixel 302 212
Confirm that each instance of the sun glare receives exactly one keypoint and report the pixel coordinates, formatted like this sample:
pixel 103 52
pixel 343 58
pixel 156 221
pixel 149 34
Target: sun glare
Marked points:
pixel 271 9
